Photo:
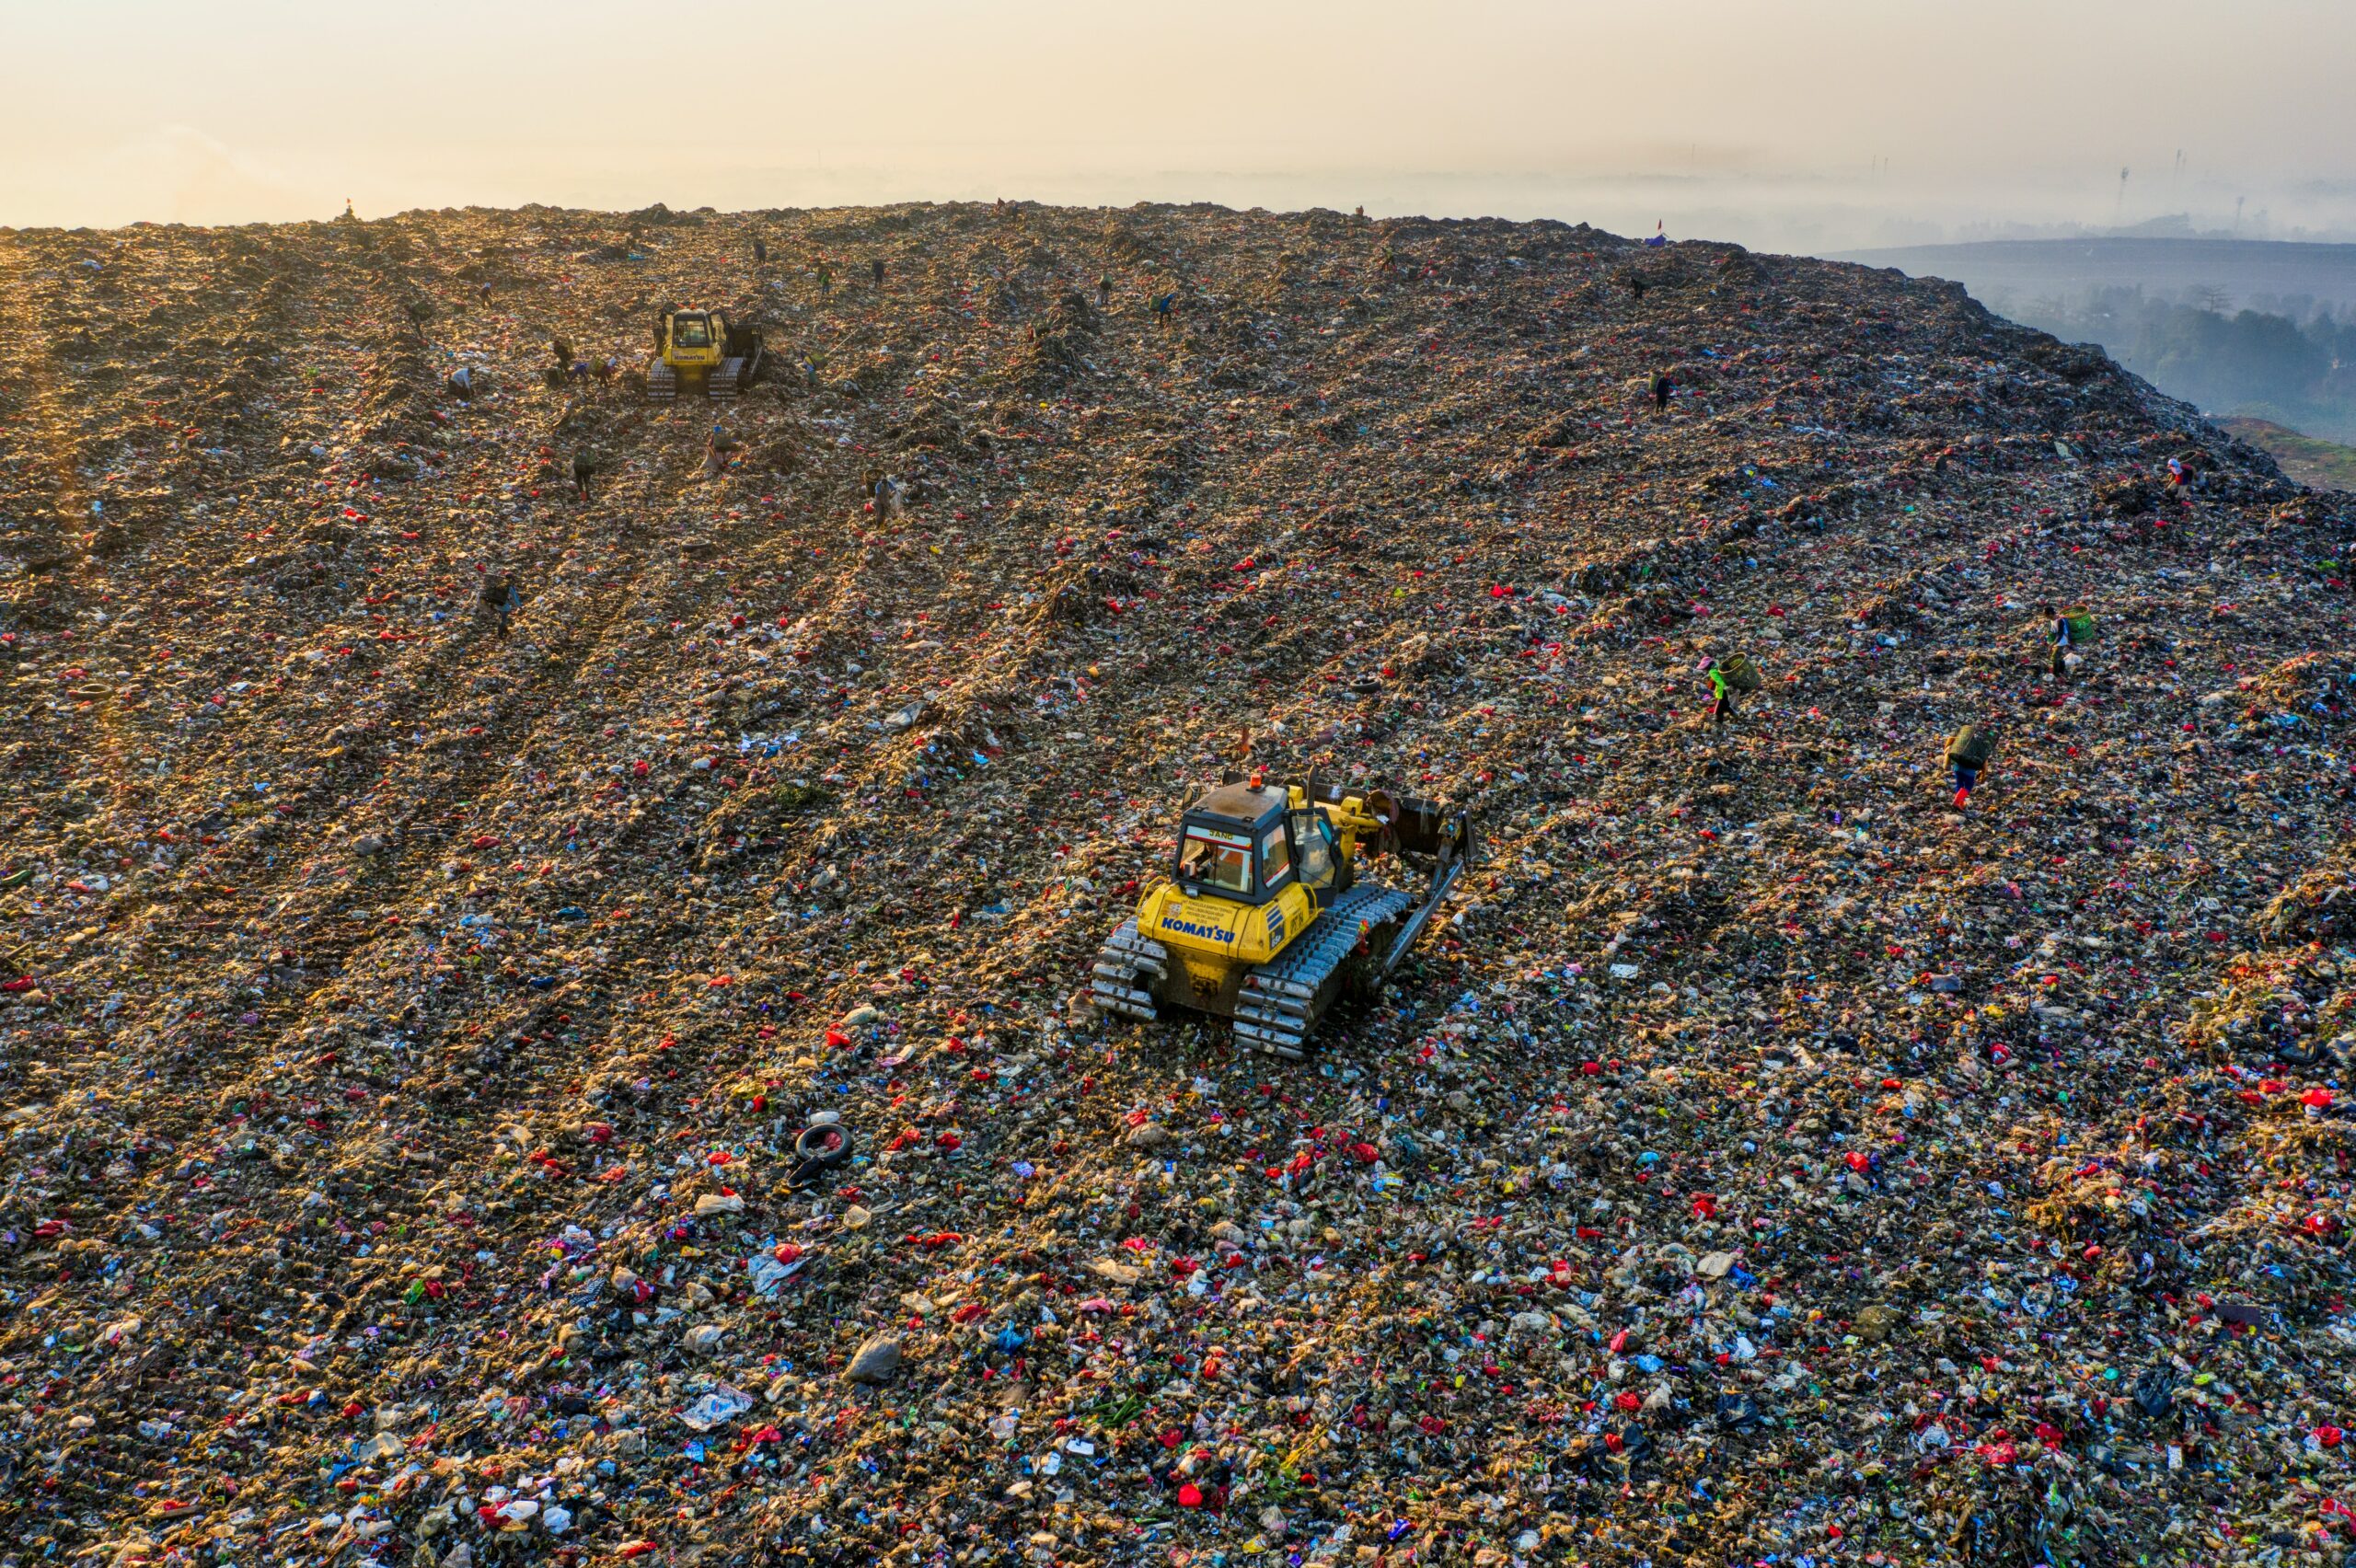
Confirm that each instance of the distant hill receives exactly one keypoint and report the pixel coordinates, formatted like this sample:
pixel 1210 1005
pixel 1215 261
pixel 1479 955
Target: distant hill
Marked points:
pixel 2324 464
pixel 2280 276
pixel 2260 329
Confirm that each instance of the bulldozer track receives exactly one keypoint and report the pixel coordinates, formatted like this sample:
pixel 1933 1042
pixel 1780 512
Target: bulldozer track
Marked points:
pixel 1283 999
pixel 1127 957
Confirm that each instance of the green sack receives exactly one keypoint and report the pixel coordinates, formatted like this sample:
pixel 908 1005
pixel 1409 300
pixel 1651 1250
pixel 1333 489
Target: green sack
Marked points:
pixel 2080 623
pixel 1740 674
pixel 1971 746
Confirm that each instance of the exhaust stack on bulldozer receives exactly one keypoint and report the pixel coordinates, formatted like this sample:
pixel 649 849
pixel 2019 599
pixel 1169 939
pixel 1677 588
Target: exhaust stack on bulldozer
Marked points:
pixel 1264 919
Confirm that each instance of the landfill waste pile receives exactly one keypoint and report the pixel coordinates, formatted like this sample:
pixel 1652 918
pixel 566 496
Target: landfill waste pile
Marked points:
pixel 545 933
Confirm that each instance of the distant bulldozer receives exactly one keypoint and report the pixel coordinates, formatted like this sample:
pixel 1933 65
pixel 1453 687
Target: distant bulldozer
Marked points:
pixel 701 348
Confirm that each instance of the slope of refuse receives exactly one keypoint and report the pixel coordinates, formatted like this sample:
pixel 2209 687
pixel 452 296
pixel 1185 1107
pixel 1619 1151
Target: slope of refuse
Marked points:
pixel 407 1024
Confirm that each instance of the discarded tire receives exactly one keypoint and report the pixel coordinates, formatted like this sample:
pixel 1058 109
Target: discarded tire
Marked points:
pixel 824 1147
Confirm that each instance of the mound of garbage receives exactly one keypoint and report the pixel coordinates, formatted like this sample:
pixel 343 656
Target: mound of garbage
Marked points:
pixel 544 938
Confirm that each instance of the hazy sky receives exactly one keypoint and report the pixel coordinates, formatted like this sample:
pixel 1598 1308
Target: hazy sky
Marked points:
pixel 1796 123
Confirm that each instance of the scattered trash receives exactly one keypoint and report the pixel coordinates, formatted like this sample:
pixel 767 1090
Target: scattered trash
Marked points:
pixel 878 1360
pixel 723 1404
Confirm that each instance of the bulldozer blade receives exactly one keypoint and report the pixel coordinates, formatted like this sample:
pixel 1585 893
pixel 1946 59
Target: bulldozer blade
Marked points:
pixel 1417 826
pixel 1443 878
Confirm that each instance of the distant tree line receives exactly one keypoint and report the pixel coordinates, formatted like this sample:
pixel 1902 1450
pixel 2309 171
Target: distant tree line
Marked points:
pixel 2297 372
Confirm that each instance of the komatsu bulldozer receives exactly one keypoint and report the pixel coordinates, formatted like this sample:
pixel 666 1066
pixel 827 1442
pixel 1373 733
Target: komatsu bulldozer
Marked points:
pixel 702 349
pixel 1265 916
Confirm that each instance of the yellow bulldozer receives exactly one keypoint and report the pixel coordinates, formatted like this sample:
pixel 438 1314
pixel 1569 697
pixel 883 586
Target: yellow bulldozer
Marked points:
pixel 1264 916
pixel 702 349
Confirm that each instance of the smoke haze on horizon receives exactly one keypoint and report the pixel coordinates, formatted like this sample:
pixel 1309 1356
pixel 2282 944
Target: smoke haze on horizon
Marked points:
pixel 1808 125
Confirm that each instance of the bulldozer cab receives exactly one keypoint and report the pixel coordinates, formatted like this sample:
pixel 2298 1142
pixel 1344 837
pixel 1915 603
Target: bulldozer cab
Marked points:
pixel 691 339
pixel 1317 854
pixel 1214 858
pixel 1241 844
pixel 1233 844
